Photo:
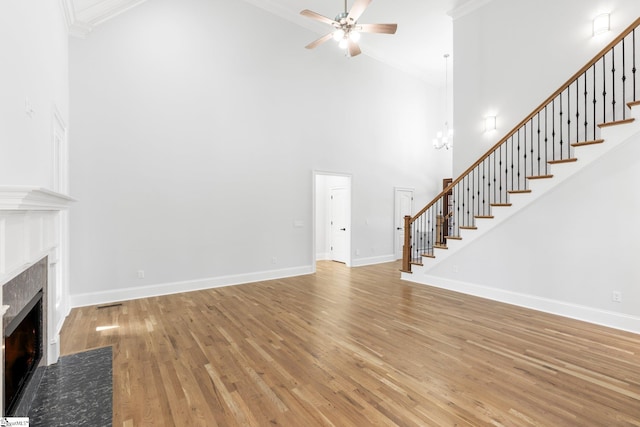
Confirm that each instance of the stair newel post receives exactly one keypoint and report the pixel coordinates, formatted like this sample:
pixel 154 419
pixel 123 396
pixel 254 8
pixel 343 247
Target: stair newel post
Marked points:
pixel 406 248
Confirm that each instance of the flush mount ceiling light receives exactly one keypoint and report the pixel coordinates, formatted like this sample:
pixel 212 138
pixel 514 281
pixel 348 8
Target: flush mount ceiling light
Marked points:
pixel 347 30
pixel 601 24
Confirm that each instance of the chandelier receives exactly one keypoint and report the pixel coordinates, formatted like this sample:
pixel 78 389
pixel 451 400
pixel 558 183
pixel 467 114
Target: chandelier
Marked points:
pixel 444 138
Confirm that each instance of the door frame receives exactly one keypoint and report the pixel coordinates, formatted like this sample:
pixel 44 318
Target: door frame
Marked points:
pixel 316 205
pixel 398 250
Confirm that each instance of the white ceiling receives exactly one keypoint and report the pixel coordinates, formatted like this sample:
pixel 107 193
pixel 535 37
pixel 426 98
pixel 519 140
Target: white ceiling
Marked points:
pixel 425 28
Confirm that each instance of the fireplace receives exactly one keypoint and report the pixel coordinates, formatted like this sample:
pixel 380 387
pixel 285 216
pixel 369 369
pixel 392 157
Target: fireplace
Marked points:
pixel 22 351
pixel 24 337
pixel 33 259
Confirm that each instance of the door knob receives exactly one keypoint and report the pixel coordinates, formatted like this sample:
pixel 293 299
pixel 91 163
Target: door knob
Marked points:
pixel 343 229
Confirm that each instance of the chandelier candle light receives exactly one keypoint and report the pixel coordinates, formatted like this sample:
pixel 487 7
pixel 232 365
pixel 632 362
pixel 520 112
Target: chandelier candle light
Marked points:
pixel 444 138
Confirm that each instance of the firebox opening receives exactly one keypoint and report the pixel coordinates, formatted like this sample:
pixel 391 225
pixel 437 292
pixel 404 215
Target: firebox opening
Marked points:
pixel 22 351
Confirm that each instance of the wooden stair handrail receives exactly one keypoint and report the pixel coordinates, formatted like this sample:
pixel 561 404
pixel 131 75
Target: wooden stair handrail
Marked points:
pixel 595 59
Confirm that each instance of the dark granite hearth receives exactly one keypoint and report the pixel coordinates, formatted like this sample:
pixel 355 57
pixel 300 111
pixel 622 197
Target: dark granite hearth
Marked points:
pixel 76 391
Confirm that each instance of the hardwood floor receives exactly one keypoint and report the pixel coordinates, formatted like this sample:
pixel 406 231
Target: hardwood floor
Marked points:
pixel 356 347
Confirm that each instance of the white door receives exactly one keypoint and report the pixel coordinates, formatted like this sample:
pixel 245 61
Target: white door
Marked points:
pixel 403 206
pixel 338 224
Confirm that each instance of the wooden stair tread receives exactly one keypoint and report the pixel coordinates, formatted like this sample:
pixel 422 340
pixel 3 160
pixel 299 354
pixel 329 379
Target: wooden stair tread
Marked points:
pixel 428 255
pixel 437 246
pixel 580 144
pixel 500 205
pixel 484 216
pixel 468 227
pixel 453 237
pixel 518 191
pixel 616 123
pixel 633 103
pixel 559 161
pixel 540 176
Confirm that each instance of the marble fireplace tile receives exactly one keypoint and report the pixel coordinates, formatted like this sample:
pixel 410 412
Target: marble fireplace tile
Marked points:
pixel 20 290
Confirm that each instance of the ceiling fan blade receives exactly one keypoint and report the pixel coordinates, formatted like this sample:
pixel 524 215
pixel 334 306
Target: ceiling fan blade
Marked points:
pixel 319 41
pixel 378 28
pixel 313 15
pixel 357 9
pixel 354 49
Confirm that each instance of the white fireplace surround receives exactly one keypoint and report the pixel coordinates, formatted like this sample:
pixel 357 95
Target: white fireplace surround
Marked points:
pixel 34 224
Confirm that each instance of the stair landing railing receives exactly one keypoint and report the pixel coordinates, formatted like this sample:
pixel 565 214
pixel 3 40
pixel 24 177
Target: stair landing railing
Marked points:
pixel 597 95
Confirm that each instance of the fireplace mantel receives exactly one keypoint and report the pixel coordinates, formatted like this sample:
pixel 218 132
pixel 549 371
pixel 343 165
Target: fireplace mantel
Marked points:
pixel 26 198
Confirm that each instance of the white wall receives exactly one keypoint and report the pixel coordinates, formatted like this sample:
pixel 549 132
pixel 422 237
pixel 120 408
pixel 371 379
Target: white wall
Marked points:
pixel 33 42
pixel 34 104
pixel 509 56
pixel 196 126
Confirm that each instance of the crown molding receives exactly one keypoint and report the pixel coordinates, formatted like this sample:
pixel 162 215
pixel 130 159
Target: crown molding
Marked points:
pixel 80 22
pixel 25 198
pixel 467 7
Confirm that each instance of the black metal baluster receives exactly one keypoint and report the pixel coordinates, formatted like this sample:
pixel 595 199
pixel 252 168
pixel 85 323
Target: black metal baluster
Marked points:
pixel 495 197
pixel 499 174
pixel 633 70
pixel 553 129
pixel 578 109
pixel 624 78
pixel 568 140
pixel 586 121
pixel 456 192
pixel 474 210
pixel 594 102
pixel 524 157
pixel 613 84
pixel 546 140
pixel 604 89
pixel 512 174
pixel 484 187
pixel 561 124
pixel 531 129
pixel 518 155
pixel 539 172
pixel 468 200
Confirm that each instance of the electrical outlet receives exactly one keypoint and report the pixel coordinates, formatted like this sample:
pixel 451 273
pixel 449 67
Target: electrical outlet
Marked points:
pixel 616 296
pixel 140 274
pixel 456 268
pixel 274 260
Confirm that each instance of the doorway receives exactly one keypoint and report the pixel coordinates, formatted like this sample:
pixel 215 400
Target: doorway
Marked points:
pixel 403 202
pixel 332 211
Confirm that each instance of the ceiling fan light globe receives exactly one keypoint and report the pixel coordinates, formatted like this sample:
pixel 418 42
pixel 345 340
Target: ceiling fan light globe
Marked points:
pixel 344 42
pixel 354 36
pixel 338 34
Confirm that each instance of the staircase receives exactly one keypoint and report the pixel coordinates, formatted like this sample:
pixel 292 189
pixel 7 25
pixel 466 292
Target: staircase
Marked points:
pixel 548 218
pixel 612 135
pixel 594 111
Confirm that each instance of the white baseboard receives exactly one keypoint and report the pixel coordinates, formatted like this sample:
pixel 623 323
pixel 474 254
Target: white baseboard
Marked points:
pixel 361 262
pixel 325 256
pixel 106 297
pixel 574 311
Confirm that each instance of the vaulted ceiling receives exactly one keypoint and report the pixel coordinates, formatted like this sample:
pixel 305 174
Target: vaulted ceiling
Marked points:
pixel 425 29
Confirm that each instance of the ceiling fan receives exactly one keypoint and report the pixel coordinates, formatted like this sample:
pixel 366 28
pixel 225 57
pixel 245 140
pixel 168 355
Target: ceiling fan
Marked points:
pixel 347 30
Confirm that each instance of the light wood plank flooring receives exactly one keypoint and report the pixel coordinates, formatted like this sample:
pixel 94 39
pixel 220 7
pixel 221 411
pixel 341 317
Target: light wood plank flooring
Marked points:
pixel 356 347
